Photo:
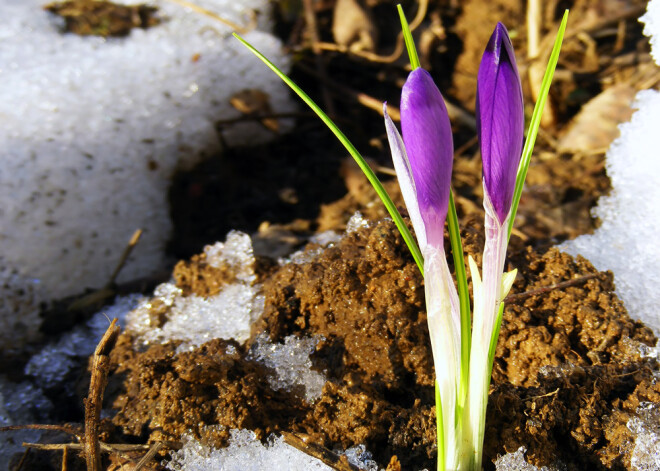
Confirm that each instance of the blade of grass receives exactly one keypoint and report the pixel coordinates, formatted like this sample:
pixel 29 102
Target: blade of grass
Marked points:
pixel 463 296
pixel 440 429
pixel 536 120
pixel 407 36
pixel 371 176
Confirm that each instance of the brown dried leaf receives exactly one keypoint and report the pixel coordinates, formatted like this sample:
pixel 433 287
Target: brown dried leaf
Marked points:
pixel 596 125
pixel 352 26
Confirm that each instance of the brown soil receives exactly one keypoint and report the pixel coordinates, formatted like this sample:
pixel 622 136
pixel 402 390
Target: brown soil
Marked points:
pixel 102 18
pixel 566 377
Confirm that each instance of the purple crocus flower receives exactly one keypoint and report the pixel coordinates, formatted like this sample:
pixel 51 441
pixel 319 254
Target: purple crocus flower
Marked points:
pixel 429 145
pixel 500 120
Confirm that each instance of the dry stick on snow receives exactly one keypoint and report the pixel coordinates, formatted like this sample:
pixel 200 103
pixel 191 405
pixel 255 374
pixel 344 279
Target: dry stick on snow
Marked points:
pixel 514 298
pixel 336 462
pixel 135 238
pixel 370 56
pixel 94 401
pixel 236 27
pixel 109 290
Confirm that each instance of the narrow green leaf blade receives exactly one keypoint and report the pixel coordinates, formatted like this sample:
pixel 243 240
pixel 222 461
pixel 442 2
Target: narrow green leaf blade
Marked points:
pixel 536 120
pixel 407 37
pixel 371 176
pixel 493 341
pixel 439 428
pixel 463 295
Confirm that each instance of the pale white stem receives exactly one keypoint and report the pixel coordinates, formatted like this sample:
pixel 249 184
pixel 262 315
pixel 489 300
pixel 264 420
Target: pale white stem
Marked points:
pixel 487 297
pixel 443 316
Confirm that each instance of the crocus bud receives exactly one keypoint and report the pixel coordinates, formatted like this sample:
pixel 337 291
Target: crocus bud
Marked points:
pixel 428 140
pixel 500 120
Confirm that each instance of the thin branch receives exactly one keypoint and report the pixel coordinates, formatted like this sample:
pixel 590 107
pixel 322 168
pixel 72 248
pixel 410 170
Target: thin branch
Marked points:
pixel 149 456
pixel 94 401
pixel 105 447
pixel 236 27
pixel 515 298
pixel 336 462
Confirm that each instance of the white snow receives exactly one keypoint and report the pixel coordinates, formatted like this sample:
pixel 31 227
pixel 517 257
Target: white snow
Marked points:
pixel 196 320
pixel 92 130
pixel 245 453
pixel 626 242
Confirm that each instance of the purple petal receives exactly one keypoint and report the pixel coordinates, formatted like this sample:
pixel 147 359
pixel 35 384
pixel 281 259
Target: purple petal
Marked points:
pixel 500 119
pixel 428 140
pixel 405 178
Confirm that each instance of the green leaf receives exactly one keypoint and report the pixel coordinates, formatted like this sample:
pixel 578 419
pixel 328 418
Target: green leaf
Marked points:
pixel 439 428
pixel 536 121
pixel 407 36
pixel 493 341
pixel 463 296
pixel 371 176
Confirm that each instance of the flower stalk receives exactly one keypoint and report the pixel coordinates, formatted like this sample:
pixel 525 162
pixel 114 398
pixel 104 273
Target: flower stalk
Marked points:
pixel 500 121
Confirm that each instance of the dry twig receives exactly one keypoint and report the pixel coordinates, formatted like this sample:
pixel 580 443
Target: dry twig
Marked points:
pixel 339 463
pixel 93 403
pixel 515 298
pixel 236 27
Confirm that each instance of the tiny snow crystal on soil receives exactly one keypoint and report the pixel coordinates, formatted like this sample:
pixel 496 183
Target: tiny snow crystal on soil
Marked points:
pixel 516 462
pixel 92 131
pixel 646 454
pixel 291 364
pixel 626 241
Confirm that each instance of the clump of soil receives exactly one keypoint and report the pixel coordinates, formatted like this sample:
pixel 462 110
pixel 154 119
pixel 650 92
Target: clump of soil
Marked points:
pixel 102 18
pixel 567 373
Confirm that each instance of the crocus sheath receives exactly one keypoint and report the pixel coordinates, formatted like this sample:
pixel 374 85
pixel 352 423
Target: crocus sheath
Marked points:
pixel 500 120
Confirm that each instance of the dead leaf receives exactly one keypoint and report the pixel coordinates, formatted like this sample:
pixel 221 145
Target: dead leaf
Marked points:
pixel 596 125
pixel 352 26
pixel 254 102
